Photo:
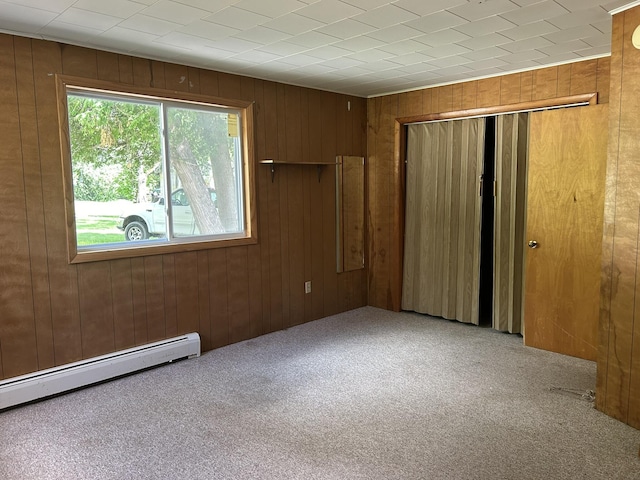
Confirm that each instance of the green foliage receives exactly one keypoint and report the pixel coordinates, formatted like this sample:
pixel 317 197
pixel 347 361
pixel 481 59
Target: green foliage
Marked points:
pixel 106 133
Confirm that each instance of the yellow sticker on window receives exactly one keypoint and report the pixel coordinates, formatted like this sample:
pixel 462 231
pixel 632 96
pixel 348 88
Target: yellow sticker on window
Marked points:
pixel 232 124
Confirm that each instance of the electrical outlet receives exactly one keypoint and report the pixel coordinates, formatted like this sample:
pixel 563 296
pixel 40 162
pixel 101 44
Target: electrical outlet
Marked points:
pixel 307 287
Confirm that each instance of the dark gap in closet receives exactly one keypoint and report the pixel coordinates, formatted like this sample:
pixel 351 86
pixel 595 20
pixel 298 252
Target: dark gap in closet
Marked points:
pixel 486 231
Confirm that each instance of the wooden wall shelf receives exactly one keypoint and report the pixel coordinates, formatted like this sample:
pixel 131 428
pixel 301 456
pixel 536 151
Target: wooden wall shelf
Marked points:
pixel 273 163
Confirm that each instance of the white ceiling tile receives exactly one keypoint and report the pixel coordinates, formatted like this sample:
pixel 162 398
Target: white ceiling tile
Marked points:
pixel 257 56
pixel 342 62
pixel 347 28
pixel 24 19
pixel 602 40
pixel 175 12
pixel 394 33
pixel 147 24
pixel 283 48
pixel 574 33
pixel 260 34
pixel 572 46
pixel 484 26
pixel 385 16
pixel 536 12
pixel 479 9
pixel 367 4
pixel 182 40
pixel 361 42
pixel 519 66
pixel 328 52
pixel 115 8
pixel 371 55
pixel 523 56
pixel 443 37
pixel 270 9
pixel 237 18
pixel 382 65
pixel 211 6
pixel 436 21
pixel 87 19
pixel 208 30
pixel 417 68
pixel 529 30
pixel 423 7
pixel 454 70
pixel 575 5
pixel 595 51
pixel 485 41
pixel 300 59
pixel 604 27
pixel 293 24
pixel 410 58
pixel 558 58
pixel 234 44
pixel 485 53
pixel 526 44
pixel 480 65
pixel 313 39
pixel 56 6
pixel 403 46
pixel 329 11
pixel 591 15
pixel 73 33
pixel 445 51
pixel 132 38
pixel 448 61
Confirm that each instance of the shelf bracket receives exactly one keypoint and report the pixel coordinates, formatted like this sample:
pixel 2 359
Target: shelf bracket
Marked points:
pixel 319 167
pixel 273 171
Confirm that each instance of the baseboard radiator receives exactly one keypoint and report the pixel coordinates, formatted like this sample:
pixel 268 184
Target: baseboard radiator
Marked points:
pixel 45 383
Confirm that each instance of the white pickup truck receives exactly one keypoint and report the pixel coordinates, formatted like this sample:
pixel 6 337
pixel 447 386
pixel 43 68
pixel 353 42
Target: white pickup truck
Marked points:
pixel 145 220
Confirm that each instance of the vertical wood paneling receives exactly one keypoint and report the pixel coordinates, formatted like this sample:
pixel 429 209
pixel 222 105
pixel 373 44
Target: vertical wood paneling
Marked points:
pixel 488 92
pixel 170 303
pixel 204 324
pixel 139 295
pixel 107 67
pixel 584 77
pixel 122 295
pixel 187 309
pixel 545 83
pixel 240 327
pixel 510 89
pixel 125 69
pixel 328 179
pixel 154 298
pixel 526 86
pixel 218 298
pixel 63 279
pixel 564 80
pixel 34 201
pixel 96 309
pixel 17 326
pixel 618 381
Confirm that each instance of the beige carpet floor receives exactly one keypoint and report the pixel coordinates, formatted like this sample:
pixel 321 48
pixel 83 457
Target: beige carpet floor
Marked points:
pixel 367 394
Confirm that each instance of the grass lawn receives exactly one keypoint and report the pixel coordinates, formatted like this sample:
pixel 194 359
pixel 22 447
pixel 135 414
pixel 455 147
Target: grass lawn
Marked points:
pixel 98 230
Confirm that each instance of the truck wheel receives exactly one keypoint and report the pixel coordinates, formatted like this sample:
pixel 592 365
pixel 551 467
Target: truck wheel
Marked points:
pixel 136 231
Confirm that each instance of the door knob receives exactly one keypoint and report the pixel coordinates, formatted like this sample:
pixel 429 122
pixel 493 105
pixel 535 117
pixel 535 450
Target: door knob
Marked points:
pixel 533 244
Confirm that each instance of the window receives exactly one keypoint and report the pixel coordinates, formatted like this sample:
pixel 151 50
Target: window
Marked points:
pixel 128 151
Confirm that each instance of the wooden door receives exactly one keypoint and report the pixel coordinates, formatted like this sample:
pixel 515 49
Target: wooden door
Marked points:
pixel 565 202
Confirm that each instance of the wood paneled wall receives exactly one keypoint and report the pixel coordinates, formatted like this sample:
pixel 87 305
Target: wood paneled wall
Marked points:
pixel 385 180
pixel 53 313
pixel 618 386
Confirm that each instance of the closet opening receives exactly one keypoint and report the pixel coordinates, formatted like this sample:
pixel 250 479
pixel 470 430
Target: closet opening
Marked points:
pixel 487 225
